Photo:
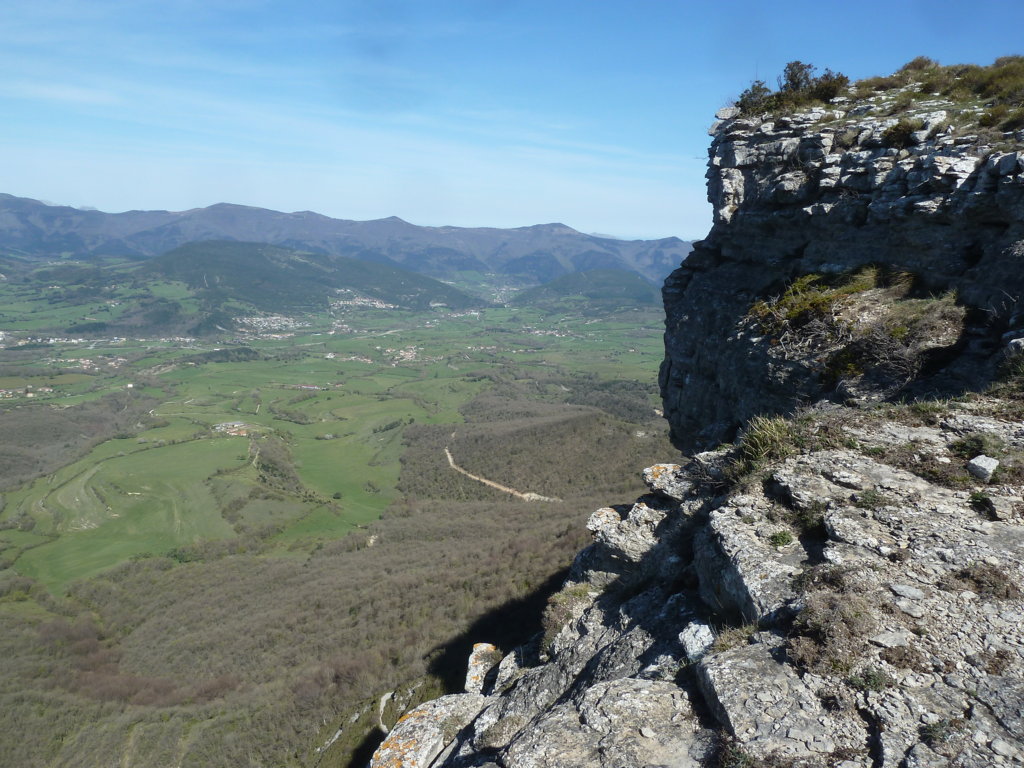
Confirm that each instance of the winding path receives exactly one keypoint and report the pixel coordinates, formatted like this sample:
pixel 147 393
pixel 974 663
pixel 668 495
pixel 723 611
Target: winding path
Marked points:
pixel 497 486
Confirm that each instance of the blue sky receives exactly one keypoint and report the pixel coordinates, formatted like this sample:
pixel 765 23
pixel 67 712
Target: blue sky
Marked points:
pixel 472 113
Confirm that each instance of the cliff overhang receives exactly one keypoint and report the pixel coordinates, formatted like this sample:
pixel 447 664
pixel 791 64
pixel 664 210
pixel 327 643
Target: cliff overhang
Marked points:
pixel 826 191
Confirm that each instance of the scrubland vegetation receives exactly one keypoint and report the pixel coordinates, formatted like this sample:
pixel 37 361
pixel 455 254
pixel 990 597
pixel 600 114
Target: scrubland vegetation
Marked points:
pixel 870 322
pixel 997 88
pixel 234 558
pixel 797 86
pixel 39 440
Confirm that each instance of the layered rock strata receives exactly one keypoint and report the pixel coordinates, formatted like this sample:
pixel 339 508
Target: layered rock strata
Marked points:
pixel 820 191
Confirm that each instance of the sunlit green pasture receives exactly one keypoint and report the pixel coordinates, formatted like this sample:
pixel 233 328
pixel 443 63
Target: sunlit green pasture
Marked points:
pixel 56 380
pixel 338 403
pixel 145 502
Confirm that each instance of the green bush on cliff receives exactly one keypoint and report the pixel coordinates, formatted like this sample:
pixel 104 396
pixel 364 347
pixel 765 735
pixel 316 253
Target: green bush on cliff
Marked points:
pixel 798 86
pixel 999 86
pixel 766 438
pixel 811 297
pixel 1000 83
pixel 895 339
pixel 855 331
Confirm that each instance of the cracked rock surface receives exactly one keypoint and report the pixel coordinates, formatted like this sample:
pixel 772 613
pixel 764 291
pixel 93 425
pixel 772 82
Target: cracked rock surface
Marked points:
pixel 888 635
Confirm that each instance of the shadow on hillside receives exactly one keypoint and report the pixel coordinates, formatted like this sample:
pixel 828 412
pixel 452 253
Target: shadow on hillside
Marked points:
pixel 958 369
pixel 507 626
pixel 362 754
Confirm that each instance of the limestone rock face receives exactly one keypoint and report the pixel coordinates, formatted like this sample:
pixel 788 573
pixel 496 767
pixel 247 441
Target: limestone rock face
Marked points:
pixel 420 735
pixel 847 590
pixel 890 633
pixel 820 192
pixel 483 658
pixel 764 701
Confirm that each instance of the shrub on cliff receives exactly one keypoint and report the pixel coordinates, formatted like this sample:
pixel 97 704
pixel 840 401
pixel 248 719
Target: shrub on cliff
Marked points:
pixel 811 298
pixel 919 64
pixel 885 330
pixel 829 635
pixel 901 134
pixel 999 86
pixel 797 86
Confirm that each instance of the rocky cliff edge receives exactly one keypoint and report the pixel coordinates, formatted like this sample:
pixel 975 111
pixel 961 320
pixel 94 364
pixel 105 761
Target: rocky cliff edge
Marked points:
pixel 841 587
pixel 913 185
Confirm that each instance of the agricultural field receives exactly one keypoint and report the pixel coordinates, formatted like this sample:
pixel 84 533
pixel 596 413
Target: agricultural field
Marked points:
pixel 332 404
pixel 291 472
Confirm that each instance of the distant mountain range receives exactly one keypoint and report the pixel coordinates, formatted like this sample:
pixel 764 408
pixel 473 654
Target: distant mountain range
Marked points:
pixel 30 229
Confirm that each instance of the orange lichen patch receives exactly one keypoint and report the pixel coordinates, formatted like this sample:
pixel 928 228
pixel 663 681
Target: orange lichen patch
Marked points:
pixel 412 715
pixel 403 749
pixel 655 471
pixel 481 661
pixel 420 735
pixel 664 477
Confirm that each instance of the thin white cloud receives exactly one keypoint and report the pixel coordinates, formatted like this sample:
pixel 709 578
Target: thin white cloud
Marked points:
pixel 178 122
pixel 58 92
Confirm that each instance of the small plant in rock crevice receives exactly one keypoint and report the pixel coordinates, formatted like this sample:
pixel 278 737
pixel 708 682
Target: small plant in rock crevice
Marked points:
pixel 978 443
pixel 834 578
pixel 985 579
pixel 733 637
pixel 927 411
pixel 766 438
pixel 870 679
pixel 996 662
pixel 940 731
pixel 900 135
pixel 903 657
pixel 728 753
pixel 982 504
pixel 828 635
pixel 871 499
pixel 560 609
pixel 808 519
